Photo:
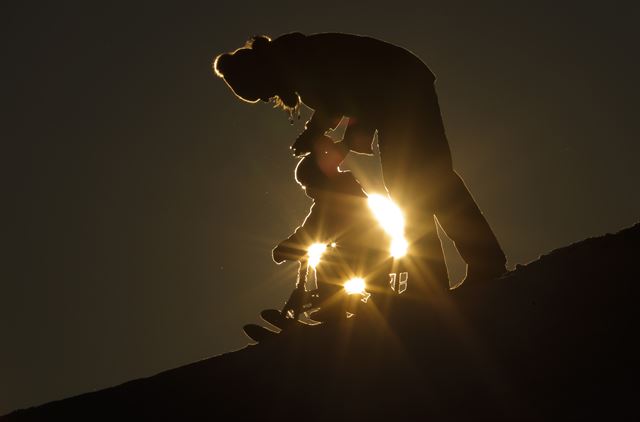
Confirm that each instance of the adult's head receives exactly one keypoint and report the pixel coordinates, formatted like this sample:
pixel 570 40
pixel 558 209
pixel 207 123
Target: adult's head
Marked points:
pixel 257 71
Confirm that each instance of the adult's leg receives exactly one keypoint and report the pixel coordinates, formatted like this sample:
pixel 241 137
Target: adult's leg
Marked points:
pixel 425 258
pixel 464 223
pixel 426 254
pixel 418 171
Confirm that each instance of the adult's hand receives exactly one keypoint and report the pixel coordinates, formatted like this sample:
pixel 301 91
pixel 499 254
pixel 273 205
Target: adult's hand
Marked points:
pixel 319 123
pixel 359 136
pixel 303 144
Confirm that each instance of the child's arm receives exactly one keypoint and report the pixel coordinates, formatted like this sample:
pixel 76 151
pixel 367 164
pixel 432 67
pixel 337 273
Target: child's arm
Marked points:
pixel 291 249
pixel 294 248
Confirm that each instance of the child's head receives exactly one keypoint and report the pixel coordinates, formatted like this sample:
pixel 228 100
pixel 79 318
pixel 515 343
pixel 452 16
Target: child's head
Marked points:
pixel 318 171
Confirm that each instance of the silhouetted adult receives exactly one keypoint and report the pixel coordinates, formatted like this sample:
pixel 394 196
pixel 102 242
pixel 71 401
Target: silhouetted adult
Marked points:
pixel 383 88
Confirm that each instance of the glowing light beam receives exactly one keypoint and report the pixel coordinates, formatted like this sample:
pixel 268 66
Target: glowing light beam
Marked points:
pixel 391 219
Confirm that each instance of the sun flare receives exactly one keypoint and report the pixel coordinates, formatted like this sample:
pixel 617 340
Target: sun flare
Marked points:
pixel 391 219
pixel 355 286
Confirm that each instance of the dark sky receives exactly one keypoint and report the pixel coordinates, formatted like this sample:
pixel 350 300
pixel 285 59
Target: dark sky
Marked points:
pixel 141 199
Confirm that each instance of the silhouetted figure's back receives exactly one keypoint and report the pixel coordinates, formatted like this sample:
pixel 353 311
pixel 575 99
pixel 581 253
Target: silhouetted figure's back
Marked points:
pixel 383 88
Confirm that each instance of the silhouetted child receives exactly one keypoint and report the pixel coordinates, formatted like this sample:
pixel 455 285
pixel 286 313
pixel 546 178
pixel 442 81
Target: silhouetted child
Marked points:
pixel 339 218
pixel 386 90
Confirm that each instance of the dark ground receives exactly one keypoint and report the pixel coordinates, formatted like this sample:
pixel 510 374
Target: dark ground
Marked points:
pixel 554 339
